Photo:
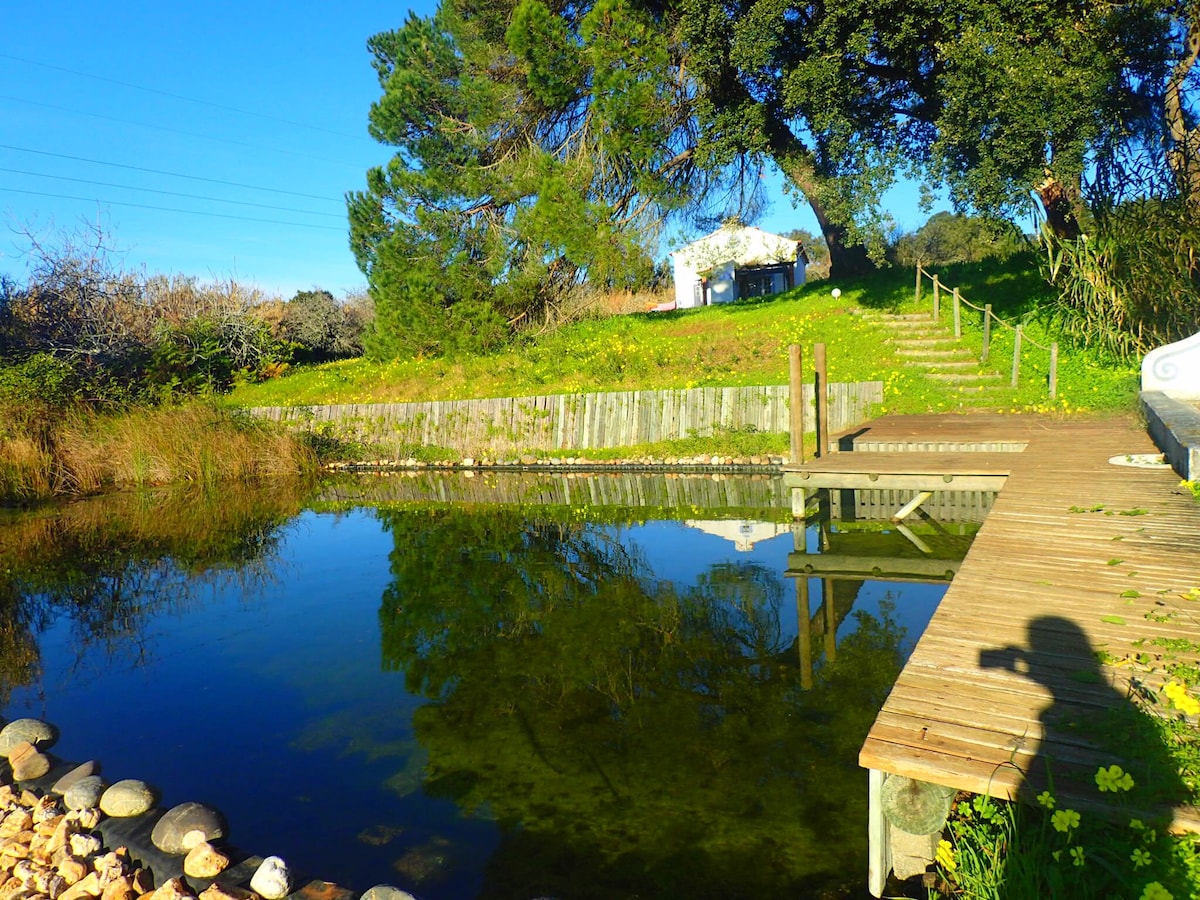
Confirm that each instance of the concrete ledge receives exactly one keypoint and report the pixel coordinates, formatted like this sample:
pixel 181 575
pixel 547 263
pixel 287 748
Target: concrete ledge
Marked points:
pixel 1175 427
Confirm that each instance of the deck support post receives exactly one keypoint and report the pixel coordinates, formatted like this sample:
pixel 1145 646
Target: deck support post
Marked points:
pixel 799 504
pixel 879 851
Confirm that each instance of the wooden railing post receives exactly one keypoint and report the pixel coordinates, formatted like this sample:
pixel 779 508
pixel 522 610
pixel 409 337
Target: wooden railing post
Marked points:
pixel 957 314
pixel 796 402
pixel 917 297
pixel 1016 356
pixel 987 332
pixel 1053 370
pixel 821 394
pixel 937 299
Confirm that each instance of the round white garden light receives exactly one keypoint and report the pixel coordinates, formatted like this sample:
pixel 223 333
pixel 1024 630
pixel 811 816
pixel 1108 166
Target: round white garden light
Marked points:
pixel 837 292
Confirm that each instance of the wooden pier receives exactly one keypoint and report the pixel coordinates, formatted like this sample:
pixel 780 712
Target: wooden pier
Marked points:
pixel 1023 677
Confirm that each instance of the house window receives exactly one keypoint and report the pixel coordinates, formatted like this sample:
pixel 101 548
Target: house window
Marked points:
pixel 758 281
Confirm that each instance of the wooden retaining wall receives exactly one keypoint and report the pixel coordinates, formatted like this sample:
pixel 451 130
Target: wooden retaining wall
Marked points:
pixel 511 425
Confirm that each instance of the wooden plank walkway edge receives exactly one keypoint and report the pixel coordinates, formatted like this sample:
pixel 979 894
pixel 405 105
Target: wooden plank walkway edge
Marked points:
pixel 1022 675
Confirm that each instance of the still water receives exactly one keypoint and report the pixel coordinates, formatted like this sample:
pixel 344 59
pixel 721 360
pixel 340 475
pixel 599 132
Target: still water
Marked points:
pixel 470 699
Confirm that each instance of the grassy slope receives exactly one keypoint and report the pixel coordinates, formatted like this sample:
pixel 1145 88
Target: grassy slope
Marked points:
pixel 739 344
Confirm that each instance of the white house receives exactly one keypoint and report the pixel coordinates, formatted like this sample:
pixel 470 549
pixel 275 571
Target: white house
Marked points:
pixel 736 261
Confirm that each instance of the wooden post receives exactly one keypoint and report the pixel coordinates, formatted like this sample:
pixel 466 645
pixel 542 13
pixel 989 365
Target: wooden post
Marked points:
pixel 957 315
pixel 987 332
pixel 879 851
pixel 1053 370
pixel 917 297
pixel 937 299
pixel 821 393
pixel 1016 356
pixel 796 402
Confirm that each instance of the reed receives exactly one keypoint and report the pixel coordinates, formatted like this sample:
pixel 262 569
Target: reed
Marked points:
pixel 83 452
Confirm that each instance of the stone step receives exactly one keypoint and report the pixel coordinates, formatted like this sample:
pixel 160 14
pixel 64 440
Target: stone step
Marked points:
pixel 908 324
pixel 927 342
pixel 952 363
pixel 963 378
pixel 923 335
pixel 930 353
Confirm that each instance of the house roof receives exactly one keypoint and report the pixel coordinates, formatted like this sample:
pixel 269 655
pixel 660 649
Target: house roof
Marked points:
pixel 743 245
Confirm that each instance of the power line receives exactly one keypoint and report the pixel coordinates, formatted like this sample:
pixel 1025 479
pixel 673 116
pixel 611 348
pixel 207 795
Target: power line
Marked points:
pixel 130 187
pixel 190 212
pixel 150 90
pixel 100 162
pixel 192 134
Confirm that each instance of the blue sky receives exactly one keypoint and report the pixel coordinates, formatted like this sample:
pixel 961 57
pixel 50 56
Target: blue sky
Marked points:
pixel 263 105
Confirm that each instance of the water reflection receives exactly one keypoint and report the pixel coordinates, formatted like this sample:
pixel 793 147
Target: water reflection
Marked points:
pixel 108 565
pixel 476 699
pixel 623 729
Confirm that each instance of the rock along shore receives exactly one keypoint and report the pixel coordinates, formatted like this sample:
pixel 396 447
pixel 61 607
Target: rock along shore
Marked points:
pixel 67 834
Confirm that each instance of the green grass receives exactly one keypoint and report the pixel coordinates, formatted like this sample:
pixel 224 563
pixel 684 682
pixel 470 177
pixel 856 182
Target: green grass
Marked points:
pixel 1000 851
pixel 744 343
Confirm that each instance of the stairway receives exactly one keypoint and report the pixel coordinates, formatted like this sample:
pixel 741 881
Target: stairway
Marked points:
pixel 925 344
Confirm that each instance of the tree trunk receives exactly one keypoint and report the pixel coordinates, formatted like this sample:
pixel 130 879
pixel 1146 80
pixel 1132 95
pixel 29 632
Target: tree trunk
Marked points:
pixel 797 163
pixel 1183 153
pixel 1060 204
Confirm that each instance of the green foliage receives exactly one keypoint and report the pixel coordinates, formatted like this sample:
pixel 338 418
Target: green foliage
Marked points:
pixel 1001 850
pixel 42 379
pixel 1133 282
pixel 949 238
pixel 205 355
pixel 534 153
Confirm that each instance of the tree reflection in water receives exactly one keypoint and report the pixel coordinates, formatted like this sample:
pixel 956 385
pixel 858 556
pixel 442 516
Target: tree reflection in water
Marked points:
pixel 630 737
pixel 110 563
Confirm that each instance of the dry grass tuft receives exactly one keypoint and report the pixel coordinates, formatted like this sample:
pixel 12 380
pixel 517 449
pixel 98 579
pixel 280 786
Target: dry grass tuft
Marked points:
pixel 196 443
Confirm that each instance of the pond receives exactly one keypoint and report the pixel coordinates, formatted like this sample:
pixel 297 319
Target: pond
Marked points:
pixel 580 689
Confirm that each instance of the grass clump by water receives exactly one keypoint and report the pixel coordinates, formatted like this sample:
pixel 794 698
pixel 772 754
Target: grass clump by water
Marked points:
pixel 76 451
pixel 999 851
pixel 746 343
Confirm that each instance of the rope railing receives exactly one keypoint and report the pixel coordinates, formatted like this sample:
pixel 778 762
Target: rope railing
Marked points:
pixel 1019 339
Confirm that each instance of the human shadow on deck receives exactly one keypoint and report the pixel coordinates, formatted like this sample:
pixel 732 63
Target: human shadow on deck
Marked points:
pixel 1089 725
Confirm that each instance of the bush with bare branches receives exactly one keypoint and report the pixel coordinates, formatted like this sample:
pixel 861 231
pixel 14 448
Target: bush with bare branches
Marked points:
pixel 111 334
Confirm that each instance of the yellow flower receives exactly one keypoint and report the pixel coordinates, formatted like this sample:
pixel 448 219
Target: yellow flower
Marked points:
pixel 945 856
pixel 1181 699
pixel 1064 820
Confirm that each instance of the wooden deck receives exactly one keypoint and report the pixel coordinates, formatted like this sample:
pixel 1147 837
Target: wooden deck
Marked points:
pixel 1024 672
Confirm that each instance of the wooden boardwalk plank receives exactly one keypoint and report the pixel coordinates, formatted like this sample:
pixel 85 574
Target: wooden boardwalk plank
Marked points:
pixel 1079 566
